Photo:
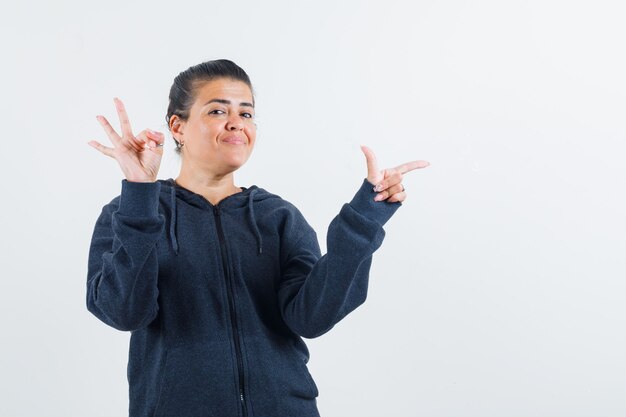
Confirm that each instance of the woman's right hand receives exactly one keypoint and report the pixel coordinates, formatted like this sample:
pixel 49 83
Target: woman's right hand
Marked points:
pixel 139 156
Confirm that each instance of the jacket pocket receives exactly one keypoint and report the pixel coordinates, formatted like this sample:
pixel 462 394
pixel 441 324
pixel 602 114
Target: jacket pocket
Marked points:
pixel 278 373
pixel 198 380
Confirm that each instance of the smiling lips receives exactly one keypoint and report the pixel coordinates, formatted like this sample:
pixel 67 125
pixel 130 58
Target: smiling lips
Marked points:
pixel 234 141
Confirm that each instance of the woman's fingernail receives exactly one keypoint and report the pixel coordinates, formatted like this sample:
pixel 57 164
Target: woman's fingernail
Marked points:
pixel 378 187
pixel 378 197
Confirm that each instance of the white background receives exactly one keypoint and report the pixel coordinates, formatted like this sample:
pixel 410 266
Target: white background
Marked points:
pixel 499 289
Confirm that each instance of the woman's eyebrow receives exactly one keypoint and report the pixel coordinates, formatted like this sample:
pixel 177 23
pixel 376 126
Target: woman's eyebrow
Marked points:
pixel 223 101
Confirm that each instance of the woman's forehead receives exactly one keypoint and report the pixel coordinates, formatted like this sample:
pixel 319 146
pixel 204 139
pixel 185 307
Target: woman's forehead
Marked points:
pixel 224 89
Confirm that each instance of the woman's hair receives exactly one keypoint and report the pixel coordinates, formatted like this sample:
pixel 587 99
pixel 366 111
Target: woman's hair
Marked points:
pixel 186 84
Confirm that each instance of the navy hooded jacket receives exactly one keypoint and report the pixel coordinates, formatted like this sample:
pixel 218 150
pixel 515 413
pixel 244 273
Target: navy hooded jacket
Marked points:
pixel 218 297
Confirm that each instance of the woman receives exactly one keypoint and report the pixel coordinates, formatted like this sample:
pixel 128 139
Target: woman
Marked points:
pixel 219 283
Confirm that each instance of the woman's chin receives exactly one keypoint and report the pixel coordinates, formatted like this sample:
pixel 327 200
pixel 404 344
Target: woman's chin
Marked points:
pixel 235 163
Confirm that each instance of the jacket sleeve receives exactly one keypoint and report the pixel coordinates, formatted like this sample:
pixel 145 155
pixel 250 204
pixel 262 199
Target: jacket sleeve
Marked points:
pixel 316 291
pixel 123 267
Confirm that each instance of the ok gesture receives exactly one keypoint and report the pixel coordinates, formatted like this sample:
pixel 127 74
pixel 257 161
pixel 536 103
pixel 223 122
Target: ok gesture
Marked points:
pixel 138 156
pixel 388 182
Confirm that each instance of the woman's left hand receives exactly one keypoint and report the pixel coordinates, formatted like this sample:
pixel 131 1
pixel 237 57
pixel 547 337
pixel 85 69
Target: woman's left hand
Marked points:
pixel 388 182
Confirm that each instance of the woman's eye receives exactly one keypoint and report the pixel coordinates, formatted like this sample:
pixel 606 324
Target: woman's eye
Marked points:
pixel 216 111
pixel 247 115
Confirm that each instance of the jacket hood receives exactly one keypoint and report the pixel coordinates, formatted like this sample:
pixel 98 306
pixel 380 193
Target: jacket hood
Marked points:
pixel 242 200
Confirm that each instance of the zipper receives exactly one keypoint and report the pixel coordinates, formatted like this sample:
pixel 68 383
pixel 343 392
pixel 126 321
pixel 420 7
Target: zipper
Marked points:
pixel 231 307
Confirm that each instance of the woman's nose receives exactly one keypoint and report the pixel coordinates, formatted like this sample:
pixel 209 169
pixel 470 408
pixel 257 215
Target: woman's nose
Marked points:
pixel 234 123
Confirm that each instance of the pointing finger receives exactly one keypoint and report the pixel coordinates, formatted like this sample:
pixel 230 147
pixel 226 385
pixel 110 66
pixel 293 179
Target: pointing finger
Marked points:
pixel 410 166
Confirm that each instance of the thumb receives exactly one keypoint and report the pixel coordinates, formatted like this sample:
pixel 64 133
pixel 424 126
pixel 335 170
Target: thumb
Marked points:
pixel 373 173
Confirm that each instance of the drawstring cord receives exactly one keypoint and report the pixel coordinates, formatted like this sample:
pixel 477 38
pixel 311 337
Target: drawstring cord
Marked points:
pixel 173 220
pixel 253 221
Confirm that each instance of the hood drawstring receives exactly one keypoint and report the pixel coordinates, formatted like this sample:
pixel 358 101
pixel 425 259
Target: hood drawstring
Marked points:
pixel 253 221
pixel 173 220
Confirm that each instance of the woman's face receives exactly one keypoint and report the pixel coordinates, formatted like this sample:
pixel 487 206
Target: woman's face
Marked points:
pixel 220 133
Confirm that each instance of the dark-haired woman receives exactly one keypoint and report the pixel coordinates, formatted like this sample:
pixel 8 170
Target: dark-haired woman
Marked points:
pixel 218 283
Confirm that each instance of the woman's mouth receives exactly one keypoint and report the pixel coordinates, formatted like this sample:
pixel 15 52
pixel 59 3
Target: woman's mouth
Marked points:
pixel 234 141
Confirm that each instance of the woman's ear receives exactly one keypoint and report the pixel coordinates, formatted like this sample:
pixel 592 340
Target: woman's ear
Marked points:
pixel 176 127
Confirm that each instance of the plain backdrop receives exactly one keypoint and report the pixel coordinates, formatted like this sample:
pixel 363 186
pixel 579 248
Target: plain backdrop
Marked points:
pixel 499 289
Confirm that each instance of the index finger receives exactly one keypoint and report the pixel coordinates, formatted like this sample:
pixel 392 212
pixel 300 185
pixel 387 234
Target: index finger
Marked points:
pixel 410 166
pixel 121 111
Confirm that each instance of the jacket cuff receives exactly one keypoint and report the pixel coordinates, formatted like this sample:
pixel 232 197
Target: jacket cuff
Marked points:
pixel 364 203
pixel 139 199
